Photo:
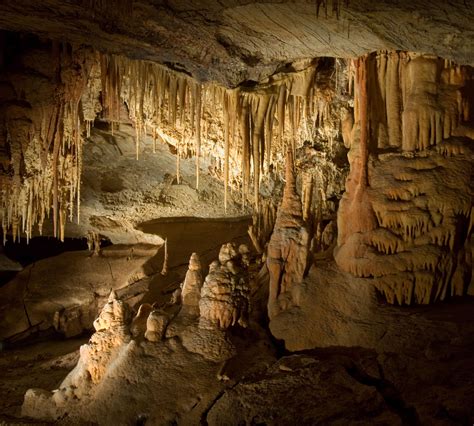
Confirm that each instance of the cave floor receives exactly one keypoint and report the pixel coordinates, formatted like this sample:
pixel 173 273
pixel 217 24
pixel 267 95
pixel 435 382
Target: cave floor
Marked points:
pixel 41 365
pixel 435 387
pixel 428 378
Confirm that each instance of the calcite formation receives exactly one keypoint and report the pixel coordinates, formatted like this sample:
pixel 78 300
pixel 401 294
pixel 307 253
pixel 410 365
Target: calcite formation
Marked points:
pixel 225 293
pixel 112 327
pixel 243 132
pixel 254 127
pixel 405 219
pixel 112 332
pixel 40 134
pixel 191 290
pixel 156 325
pixel 138 326
pixel 287 249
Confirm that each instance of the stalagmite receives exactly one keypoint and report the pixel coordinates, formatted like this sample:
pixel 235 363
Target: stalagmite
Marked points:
pixel 95 357
pixel 288 248
pixel 224 298
pixel 191 290
pixel 156 326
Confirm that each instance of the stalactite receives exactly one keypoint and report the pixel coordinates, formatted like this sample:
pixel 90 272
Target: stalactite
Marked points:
pixel 197 123
pixel 361 76
pixel 245 136
pixel 259 124
pixel 174 103
pixel 306 195
pixel 225 102
pixel 178 165
pixel 416 247
pixel 164 269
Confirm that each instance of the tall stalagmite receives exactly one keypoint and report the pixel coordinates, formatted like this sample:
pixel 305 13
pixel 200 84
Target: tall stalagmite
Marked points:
pixel 288 248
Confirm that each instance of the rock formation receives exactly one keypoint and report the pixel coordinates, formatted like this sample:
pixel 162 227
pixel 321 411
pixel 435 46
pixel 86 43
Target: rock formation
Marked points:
pixel 336 134
pixel 238 42
pixel 287 249
pixel 156 326
pixel 111 331
pixel 166 104
pixel 404 219
pixel 40 126
pixel 95 357
pixel 191 290
pixel 117 351
pixel 139 322
pixel 225 293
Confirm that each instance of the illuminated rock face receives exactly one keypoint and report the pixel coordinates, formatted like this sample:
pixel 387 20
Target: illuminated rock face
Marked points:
pixel 241 133
pixel 225 293
pixel 112 333
pixel 287 249
pixel 125 351
pixel 405 219
pixel 112 330
pixel 66 292
pixel 231 42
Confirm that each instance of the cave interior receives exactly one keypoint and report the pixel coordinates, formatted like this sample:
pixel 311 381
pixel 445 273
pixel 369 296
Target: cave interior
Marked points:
pixel 237 212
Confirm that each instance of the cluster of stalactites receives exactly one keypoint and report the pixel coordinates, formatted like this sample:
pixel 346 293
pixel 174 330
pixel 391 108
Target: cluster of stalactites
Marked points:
pixel 45 144
pixel 255 126
pixel 404 219
pixel 157 98
pixel 416 100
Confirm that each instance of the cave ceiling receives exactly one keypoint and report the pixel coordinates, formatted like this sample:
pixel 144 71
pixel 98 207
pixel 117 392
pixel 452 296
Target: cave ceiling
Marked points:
pixel 231 41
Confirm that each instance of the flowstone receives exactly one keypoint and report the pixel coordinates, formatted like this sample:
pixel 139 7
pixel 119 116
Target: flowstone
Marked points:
pixel 405 221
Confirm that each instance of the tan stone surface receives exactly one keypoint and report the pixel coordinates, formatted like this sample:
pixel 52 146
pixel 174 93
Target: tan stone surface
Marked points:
pixel 67 291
